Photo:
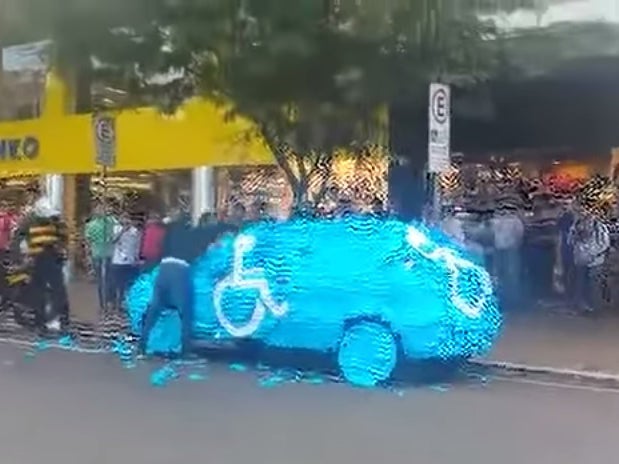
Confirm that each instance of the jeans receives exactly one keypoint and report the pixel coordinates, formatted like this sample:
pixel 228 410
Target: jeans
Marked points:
pixel 104 278
pixel 173 289
pixel 568 279
pixel 540 260
pixel 508 263
pixel 588 286
pixel 123 276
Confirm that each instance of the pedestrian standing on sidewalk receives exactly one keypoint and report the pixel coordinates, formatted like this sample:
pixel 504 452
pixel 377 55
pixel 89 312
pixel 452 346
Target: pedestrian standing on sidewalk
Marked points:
pixel 508 229
pixel 45 237
pixel 99 232
pixel 7 225
pixel 590 240
pixel 452 224
pixel 540 247
pixel 565 251
pixel 125 258
pixel 478 234
pixel 152 240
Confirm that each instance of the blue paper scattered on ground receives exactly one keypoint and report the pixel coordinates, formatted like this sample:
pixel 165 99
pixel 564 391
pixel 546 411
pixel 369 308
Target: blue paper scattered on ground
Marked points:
pixel 282 376
pixel 271 381
pixel 41 345
pixel 313 378
pixel 196 363
pixel 66 342
pixel 237 367
pixel 161 377
pixel 196 377
pixel 267 378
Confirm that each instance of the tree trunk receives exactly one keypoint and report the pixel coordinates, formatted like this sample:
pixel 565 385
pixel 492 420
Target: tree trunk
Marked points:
pixel 282 155
pixel 299 181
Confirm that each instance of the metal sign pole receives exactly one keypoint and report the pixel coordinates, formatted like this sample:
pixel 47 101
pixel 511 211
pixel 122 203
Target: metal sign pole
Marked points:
pixel 106 234
pixel 104 129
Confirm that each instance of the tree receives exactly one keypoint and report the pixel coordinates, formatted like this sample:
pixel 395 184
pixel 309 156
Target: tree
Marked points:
pixel 313 75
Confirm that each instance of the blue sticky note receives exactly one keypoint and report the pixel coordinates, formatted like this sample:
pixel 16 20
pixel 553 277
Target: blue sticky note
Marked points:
pixel 314 380
pixel 66 342
pixel 271 381
pixel 41 345
pixel 236 367
pixel 196 377
pixel 161 377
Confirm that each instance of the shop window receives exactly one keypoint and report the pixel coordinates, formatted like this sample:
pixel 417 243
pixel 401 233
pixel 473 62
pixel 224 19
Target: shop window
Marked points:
pixel 140 192
pixel 358 180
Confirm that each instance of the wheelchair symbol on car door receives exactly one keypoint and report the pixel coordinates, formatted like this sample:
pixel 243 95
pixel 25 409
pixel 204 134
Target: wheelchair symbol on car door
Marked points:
pixel 246 279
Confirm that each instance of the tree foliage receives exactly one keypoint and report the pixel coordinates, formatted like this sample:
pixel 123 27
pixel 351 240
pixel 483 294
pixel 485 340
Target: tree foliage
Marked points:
pixel 312 75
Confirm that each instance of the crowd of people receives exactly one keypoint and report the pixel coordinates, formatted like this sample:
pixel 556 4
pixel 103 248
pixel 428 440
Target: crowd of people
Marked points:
pixel 556 248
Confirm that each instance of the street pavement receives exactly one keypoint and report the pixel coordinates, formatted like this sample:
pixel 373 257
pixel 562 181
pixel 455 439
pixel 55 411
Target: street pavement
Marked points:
pixel 560 341
pixel 60 407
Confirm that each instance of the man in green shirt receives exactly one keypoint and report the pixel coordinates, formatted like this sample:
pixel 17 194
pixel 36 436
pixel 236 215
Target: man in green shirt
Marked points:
pixel 99 234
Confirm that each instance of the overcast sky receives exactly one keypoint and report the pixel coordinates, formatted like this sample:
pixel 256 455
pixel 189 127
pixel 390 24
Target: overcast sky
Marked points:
pixel 577 10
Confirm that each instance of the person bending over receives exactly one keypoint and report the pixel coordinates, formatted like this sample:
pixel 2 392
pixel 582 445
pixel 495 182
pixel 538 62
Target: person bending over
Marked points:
pixel 173 286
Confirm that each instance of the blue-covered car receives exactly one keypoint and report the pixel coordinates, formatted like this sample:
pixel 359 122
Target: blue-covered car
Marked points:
pixel 368 289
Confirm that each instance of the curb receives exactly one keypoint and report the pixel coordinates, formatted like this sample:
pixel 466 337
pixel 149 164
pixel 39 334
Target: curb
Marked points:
pixel 559 373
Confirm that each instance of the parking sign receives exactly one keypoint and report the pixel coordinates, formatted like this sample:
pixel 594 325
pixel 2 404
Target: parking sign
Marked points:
pixel 104 128
pixel 439 116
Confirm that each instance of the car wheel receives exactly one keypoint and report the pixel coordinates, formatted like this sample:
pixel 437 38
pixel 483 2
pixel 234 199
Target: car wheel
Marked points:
pixel 367 354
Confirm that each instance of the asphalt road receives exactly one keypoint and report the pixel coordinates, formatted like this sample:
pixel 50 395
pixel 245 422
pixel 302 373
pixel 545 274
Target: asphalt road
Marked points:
pixel 62 407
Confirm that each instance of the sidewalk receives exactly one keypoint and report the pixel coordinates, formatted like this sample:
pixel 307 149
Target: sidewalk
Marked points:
pixel 561 342
pixel 83 301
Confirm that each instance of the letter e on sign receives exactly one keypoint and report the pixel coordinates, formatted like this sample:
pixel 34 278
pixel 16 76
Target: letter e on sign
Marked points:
pixel 104 128
pixel 440 106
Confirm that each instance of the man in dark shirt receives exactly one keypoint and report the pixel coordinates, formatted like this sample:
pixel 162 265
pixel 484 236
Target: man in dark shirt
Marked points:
pixel 45 236
pixel 174 285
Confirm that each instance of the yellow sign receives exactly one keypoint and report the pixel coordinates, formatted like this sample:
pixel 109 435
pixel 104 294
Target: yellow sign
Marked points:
pixel 63 143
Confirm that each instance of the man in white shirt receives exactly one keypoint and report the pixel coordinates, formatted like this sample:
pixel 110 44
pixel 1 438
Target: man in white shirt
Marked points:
pixel 125 257
pixel 589 238
pixel 453 224
pixel 508 229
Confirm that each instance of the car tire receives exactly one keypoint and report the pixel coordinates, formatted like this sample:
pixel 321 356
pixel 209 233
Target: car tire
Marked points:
pixel 367 354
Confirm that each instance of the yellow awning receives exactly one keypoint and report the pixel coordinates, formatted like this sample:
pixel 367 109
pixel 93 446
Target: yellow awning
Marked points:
pixel 62 143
